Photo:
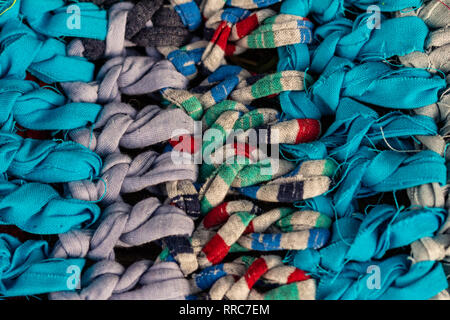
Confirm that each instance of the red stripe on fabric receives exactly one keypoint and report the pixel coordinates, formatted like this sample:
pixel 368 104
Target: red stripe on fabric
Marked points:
pixel 297 275
pixel 220 37
pixel 250 228
pixel 230 49
pixel 243 149
pixel 247 25
pixel 216 249
pixel 444 4
pixel 174 142
pixel 255 271
pixel 216 216
pixel 185 143
pixel 308 130
pixel 32 134
pixel 30 77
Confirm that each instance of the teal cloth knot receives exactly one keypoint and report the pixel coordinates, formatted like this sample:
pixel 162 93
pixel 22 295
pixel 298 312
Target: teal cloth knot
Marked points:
pixel 363 238
pixel 26 270
pixel 46 58
pixel 38 108
pixel 46 161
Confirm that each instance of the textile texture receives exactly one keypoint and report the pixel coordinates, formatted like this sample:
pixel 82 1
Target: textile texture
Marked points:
pixel 224 149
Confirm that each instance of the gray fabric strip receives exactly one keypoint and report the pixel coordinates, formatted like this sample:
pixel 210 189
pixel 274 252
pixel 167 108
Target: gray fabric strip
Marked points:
pixel 108 280
pixel 122 225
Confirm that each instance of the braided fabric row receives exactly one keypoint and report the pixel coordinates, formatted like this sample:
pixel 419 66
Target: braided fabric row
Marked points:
pixel 36 164
pixel 435 56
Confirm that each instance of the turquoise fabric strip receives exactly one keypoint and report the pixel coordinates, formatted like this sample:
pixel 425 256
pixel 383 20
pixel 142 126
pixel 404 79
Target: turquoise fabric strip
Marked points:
pixel 45 58
pixel 38 108
pixel 53 18
pixel 356 125
pixel 372 83
pixel 355 41
pixel 46 161
pixel 328 10
pixel 366 237
pixel 44 211
pixel 400 280
pixel 25 269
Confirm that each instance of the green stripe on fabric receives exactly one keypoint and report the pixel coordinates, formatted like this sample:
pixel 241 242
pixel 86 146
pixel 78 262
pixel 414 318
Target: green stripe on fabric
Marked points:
pixel 269 41
pixel 213 113
pixel 245 217
pixel 206 170
pixel 252 175
pixel 286 211
pixel 249 120
pixel 258 40
pixel 236 247
pixel 248 260
pixel 271 20
pixel 205 205
pixel 329 168
pixel 323 221
pixel 193 107
pixel 247 178
pixel 285 224
pixel 223 132
pixel 287 292
pixel 210 145
pixel 267 86
pixel 285 219
pixel 229 171
pixel 164 254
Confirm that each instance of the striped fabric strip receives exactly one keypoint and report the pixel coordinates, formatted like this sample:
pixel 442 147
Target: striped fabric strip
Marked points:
pixel 240 224
pixel 291 187
pixel 269 85
pixel 237 30
pixel 209 7
pixel 303 290
pixel 278 31
pixel 186 58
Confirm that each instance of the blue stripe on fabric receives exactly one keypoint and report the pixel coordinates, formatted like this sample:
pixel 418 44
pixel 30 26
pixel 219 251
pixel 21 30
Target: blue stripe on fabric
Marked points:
pixel 306 33
pixel 234 15
pixel 209 276
pixel 266 242
pixel 185 61
pixel 224 72
pixel 222 90
pixel 259 3
pixel 249 191
pixel 318 237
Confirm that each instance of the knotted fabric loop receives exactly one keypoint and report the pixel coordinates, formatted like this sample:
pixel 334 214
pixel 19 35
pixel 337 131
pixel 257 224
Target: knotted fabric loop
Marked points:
pixel 22 262
pixel 109 280
pixel 123 225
